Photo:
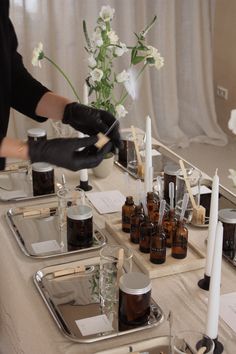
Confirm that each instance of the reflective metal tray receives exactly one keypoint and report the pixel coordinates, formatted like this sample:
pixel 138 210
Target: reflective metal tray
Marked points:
pixel 70 292
pixel 36 230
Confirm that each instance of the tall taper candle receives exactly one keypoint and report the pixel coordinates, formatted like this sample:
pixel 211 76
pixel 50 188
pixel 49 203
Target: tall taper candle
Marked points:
pixel 214 293
pixel 212 223
pixel 148 156
pixel 84 173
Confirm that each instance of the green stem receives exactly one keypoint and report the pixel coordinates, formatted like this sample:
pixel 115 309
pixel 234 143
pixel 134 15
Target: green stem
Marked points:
pixel 64 75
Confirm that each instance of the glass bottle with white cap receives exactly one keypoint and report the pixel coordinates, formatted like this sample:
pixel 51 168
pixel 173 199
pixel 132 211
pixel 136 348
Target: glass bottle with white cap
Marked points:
pixel 35 134
pixel 42 178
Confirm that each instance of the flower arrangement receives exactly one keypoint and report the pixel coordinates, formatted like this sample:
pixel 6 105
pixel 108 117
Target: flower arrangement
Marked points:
pixel 103 48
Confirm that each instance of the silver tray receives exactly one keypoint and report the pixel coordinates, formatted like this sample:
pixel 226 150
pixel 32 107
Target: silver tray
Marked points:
pixel 16 184
pixel 36 230
pixel 70 292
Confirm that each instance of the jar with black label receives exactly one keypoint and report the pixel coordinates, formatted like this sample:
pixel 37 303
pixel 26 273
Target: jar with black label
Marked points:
pixel 42 178
pixel 127 211
pixel 79 227
pixel 147 229
pixel 180 241
pixel 134 300
pixel 36 134
pixel 158 246
pixel 170 173
pixel 228 219
pixel 135 220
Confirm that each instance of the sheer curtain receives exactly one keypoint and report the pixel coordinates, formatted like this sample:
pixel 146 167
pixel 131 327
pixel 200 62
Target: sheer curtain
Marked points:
pixel 179 98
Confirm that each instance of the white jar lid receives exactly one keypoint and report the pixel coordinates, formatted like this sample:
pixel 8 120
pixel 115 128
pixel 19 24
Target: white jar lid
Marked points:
pixel 135 283
pixel 42 167
pixel 36 132
pixel 171 169
pixel 227 216
pixel 79 212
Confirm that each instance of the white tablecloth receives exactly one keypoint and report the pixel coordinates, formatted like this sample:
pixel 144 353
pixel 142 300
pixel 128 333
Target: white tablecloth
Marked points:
pixel 26 326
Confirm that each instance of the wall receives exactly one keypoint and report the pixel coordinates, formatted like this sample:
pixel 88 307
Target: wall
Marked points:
pixel 224 58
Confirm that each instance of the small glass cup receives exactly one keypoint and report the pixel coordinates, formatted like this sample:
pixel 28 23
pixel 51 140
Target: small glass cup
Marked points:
pixel 186 342
pixel 109 277
pixel 132 162
pixel 194 177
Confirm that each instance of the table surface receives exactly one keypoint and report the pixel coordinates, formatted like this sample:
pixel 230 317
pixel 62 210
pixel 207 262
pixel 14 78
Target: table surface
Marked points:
pixel 26 326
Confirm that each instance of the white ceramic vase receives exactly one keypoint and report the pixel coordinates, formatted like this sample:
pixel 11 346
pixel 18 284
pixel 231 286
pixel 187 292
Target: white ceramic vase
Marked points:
pixel 105 167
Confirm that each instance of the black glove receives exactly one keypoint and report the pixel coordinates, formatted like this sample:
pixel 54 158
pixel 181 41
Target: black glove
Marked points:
pixel 91 121
pixel 63 152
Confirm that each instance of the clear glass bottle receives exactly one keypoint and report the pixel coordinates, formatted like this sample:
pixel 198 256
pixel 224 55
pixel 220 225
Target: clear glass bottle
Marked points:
pixel 158 245
pixel 135 220
pixel 180 241
pixel 146 231
pixel 169 226
pixel 127 211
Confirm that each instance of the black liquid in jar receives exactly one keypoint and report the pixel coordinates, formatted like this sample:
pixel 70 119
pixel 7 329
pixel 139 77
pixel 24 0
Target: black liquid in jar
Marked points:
pixel 42 178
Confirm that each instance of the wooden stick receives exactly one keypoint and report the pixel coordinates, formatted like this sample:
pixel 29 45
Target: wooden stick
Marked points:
pixel 139 160
pixel 120 264
pixel 201 350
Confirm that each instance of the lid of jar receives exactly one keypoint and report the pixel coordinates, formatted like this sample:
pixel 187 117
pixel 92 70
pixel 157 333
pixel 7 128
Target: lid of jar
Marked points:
pixel 227 216
pixel 171 169
pixel 79 212
pixel 135 283
pixel 36 132
pixel 42 167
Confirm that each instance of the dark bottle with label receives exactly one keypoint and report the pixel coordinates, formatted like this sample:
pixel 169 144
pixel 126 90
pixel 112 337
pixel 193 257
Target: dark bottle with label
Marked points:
pixel 169 226
pixel 146 231
pixel 127 211
pixel 180 241
pixel 135 220
pixel 158 246
pixel 152 205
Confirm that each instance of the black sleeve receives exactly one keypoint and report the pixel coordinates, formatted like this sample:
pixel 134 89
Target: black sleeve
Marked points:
pixel 2 159
pixel 25 90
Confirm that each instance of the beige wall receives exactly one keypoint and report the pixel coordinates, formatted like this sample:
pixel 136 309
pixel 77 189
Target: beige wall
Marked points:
pixel 224 58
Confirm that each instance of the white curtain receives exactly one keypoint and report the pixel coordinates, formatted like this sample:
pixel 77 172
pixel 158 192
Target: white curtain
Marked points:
pixel 179 98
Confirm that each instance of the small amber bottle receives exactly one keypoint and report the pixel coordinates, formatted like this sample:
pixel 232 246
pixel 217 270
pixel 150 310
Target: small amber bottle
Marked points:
pixel 152 205
pixel 146 231
pixel 158 246
pixel 169 226
pixel 180 241
pixel 135 220
pixel 127 211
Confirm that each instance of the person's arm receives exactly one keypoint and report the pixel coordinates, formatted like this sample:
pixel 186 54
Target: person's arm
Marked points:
pixel 14 148
pixel 52 106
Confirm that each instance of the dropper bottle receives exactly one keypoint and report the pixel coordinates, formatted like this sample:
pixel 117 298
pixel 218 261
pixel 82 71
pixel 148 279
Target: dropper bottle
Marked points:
pixel 180 239
pixel 169 224
pixel 158 239
pixel 146 230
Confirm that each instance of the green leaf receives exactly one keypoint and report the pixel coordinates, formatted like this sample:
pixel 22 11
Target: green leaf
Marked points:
pixel 86 35
pixel 138 59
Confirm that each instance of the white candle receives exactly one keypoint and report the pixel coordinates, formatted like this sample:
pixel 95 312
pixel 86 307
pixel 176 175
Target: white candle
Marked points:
pixel 212 224
pixel 214 293
pixel 148 156
pixel 84 173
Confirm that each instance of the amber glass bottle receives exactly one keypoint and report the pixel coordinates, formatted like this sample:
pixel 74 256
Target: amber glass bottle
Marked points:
pixel 169 226
pixel 158 246
pixel 135 220
pixel 180 241
pixel 152 205
pixel 146 231
pixel 127 211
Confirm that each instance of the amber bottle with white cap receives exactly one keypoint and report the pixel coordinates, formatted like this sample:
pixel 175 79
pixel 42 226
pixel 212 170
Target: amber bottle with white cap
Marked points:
pixel 42 178
pixel 134 300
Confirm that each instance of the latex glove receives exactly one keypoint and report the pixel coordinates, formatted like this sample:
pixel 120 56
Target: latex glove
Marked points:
pixel 63 152
pixel 91 121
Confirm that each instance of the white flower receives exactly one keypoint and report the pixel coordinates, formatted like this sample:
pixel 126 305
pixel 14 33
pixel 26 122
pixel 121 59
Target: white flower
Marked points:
pixel 107 13
pixel 122 77
pixel 96 75
pixel 154 58
pixel 232 121
pixel 132 84
pixel 37 55
pixel 92 61
pixel 97 37
pixel 120 111
pixel 232 176
pixel 119 51
pixel 113 37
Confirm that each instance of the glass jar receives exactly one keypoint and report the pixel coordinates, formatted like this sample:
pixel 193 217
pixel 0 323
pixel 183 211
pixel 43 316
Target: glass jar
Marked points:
pixel 36 134
pixel 228 219
pixel 42 178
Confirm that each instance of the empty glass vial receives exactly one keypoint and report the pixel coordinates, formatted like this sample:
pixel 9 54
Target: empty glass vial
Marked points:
pixel 135 220
pixel 152 205
pixel 169 226
pixel 127 211
pixel 36 134
pixel 42 178
pixel 180 241
pixel 158 246
pixel 134 300
pixel 147 229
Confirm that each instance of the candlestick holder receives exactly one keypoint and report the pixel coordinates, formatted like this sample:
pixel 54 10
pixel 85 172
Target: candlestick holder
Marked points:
pixel 85 186
pixel 219 348
pixel 204 283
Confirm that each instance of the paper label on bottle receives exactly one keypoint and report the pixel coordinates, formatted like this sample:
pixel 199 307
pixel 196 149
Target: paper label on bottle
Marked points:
pixel 45 246
pixel 93 325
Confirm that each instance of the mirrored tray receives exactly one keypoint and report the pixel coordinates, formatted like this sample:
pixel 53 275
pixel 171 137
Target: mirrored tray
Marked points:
pixel 36 230
pixel 16 184
pixel 71 293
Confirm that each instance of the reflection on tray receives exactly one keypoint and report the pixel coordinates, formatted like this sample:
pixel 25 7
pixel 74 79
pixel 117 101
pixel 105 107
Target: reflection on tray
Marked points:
pixel 36 231
pixel 73 299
